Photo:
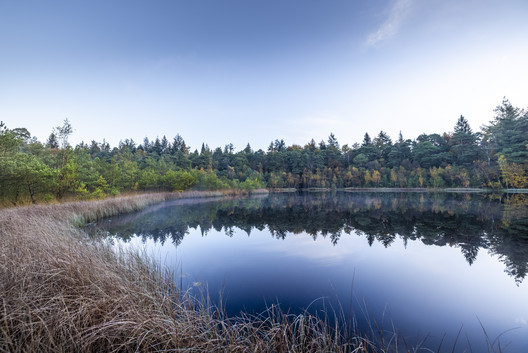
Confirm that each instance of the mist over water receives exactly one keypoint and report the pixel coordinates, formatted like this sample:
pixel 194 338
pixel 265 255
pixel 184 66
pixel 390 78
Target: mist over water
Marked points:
pixel 422 265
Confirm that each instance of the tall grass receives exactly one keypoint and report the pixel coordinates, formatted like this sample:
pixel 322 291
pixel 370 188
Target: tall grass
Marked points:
pixel 64 292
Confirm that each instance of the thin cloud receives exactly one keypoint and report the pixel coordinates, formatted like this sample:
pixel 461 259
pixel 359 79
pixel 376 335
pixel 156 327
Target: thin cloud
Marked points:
pixel 392 25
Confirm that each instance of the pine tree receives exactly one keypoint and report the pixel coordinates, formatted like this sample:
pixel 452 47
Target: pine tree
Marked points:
pixel 366 140
pixel 52 141
pixel 463 144
pixel 462 127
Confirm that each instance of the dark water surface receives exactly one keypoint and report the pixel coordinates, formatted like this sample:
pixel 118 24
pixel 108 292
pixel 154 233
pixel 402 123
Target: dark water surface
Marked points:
pixel 420 264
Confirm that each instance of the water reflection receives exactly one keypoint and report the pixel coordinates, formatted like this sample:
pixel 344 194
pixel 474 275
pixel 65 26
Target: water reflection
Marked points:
pixel 470 222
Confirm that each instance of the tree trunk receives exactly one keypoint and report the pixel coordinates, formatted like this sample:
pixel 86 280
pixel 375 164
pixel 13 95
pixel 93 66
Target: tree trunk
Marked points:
pixel 31 193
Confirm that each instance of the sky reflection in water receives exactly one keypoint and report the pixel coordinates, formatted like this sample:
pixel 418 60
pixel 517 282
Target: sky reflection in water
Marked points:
pixel 318 251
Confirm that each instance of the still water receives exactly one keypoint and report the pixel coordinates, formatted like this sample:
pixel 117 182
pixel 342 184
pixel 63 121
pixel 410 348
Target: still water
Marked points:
pixel 424 266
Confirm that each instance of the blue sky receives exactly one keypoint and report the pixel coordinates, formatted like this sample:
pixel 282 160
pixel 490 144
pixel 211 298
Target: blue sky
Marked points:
pixel 239 71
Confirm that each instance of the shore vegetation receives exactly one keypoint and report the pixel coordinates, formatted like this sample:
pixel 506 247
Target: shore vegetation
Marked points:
pixel 495 157
pixel 63 291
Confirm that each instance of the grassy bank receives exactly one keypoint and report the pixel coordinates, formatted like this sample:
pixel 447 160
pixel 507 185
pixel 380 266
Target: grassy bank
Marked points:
pixel 64 292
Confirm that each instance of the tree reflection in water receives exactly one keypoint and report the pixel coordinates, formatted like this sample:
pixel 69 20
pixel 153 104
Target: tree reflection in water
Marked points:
pixel 496 223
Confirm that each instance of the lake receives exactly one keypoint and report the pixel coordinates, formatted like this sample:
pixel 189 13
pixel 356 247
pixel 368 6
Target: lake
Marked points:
pixel 427 266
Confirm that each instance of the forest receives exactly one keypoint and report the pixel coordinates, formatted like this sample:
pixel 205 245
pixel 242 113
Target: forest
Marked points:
pixel 495 157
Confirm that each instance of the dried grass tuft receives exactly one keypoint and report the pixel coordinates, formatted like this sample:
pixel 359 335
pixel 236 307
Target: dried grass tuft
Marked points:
pixel 64 292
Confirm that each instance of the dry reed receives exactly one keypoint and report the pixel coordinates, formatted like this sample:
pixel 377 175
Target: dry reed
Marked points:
pixel 64 292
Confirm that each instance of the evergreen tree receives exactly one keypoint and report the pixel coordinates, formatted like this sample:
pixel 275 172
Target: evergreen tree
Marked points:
pixel 52 141
pixel 462 127
pixel 164 145
pixel 463 144
pixel 332 141
pixel 366 140
pixel 508 133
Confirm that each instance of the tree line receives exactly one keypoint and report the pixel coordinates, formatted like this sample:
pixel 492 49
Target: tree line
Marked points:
pixel 495 157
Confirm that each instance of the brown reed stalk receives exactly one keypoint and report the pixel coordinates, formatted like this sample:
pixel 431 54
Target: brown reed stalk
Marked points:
pixel 62 291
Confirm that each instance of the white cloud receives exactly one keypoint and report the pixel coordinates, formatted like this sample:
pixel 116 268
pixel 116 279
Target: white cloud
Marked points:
pixel 392 25
pixel 521 321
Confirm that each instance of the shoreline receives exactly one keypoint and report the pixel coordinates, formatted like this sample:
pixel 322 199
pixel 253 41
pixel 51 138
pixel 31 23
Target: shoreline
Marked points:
pixel 403 190
pixel 63 291
pixel 265 191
